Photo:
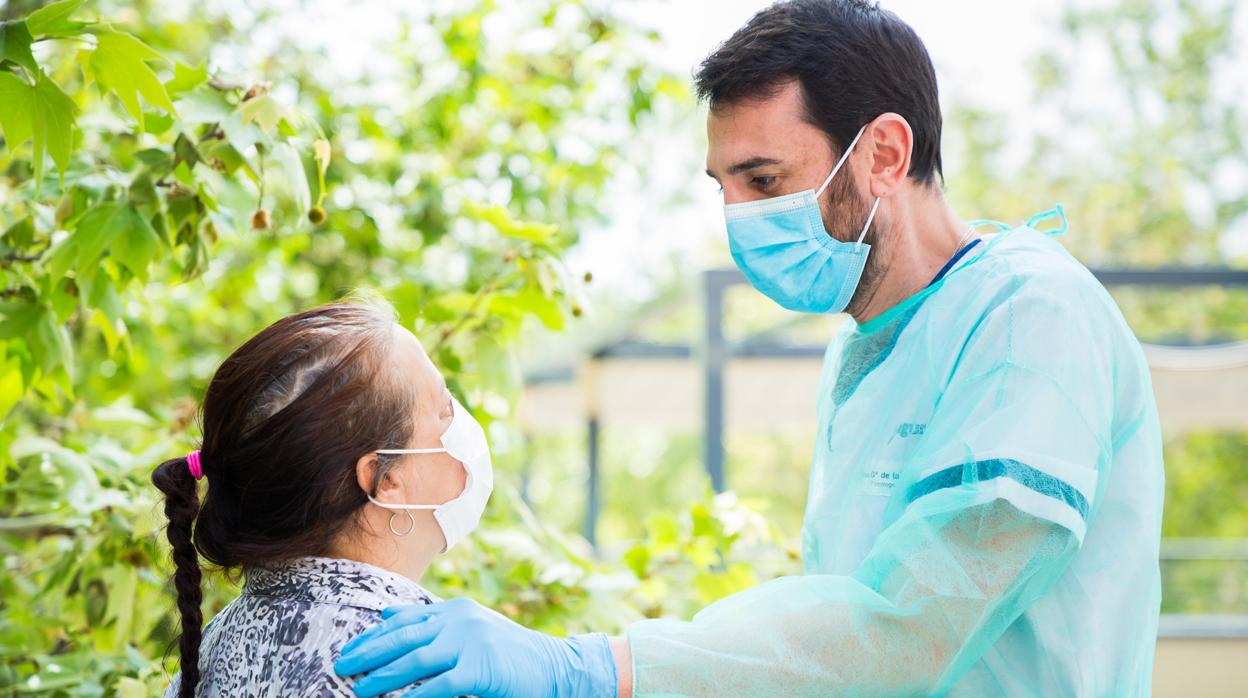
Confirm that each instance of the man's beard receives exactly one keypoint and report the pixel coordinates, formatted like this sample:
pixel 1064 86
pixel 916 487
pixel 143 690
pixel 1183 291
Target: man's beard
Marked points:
pixel 848 212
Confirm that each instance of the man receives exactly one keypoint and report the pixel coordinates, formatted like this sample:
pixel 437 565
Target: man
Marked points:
pixel 986 490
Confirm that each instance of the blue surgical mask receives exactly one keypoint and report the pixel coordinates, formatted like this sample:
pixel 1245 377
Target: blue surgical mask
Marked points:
pixel 783 250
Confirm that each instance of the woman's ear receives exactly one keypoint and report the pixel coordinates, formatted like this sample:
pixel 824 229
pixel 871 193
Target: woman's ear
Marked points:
pixel 365 471
pixel 389 488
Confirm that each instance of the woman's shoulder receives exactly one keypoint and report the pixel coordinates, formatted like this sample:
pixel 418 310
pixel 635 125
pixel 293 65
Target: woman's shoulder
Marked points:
pixel 283 633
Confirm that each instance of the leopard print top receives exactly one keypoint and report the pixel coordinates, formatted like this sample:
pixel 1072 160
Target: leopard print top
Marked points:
pixel 281 636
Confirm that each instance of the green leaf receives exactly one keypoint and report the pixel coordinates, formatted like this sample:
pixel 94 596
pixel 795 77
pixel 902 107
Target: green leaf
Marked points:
pixel 53 125
pixel 136 244
pixel 186 78
pixel 11 386
pixel 156 122
pixel 183 174
pixel 502 220
pixel 108 315
pixel 285 129
pixel 203 105
pixel 241 133
pixel 15 40
pixel 264 111
pixel 49 342
pixel 529 301
pixel 228 156
pixel 21 234
pixel 16 110
pixel 294 177
pixel 121 581
pixel 664 530
pixel 96 231
pixel 197 255
pixel 61 256
pixel 41 112
pixel 119 63
pixel 208 201
pixel 18 318
pixel 183 210
pixel 63 299
pixel 142 190
pixel 184 151
pixel 155 158
pixel 72 468
pixel 54 18
pixel 638 560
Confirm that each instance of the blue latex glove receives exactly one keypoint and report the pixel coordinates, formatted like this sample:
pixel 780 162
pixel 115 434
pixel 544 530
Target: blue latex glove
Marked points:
pixel 468 649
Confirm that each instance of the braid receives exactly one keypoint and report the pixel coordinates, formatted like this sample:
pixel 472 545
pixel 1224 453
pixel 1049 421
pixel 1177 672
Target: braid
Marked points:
pixel 174 479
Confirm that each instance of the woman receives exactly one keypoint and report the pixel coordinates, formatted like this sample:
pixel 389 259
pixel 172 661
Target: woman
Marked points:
pixel 337 466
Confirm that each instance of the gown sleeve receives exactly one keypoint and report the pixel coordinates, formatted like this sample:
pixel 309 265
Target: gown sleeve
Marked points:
pixel 993 506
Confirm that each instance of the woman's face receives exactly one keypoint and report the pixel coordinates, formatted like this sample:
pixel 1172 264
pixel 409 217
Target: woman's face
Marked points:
pixel 423 478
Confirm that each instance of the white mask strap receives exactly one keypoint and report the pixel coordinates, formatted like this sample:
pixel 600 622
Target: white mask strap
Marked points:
pixel 400 451
pixel 870 217
pixel 402 507
pixel 844 157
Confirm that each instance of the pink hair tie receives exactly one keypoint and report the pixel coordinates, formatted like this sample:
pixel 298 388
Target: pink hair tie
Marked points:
pixel 193 464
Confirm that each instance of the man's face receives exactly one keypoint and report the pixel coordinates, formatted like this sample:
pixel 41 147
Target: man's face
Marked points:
pixel 764 148
pixel 759 149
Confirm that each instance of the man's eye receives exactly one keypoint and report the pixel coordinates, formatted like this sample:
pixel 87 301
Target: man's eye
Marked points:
pixel 762 182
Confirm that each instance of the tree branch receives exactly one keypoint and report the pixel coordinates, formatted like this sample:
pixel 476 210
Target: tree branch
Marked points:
pixel 5 260
pixel 473 310
pixel 8 260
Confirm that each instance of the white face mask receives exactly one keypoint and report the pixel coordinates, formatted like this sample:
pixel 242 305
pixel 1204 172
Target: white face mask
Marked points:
pixel 464 441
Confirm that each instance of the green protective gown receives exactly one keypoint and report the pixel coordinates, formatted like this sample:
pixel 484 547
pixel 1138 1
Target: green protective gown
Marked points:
pixel 984 512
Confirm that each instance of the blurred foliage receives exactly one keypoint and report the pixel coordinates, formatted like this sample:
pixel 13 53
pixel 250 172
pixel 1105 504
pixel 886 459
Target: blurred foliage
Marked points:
pixel 1141 133
pixel 1146 154
pixel 1206 487
pixel 192 199
pixel 452 173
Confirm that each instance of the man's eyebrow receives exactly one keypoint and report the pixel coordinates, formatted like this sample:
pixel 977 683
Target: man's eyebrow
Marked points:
pixel 745 165
pixel 752 163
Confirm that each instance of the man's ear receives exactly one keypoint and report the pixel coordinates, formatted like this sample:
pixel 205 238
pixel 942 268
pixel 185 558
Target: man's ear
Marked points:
pixel 890 142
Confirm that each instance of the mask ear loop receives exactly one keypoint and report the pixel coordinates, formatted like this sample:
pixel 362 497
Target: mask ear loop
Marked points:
pixel 406 509
pixel 844 157
pixel 401 451
pixel 867 225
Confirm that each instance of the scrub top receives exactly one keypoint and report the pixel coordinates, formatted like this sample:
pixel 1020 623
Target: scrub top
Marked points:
pixel 984 508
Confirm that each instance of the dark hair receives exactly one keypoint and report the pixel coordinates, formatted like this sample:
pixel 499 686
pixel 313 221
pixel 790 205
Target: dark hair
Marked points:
pixel 853 62
pixel 285 419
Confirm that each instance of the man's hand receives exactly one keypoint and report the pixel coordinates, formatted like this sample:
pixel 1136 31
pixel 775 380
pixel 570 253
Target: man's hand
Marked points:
pixel 459 647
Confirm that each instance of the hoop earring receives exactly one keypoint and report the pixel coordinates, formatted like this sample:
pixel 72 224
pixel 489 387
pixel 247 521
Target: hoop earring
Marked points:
pixel 411 524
